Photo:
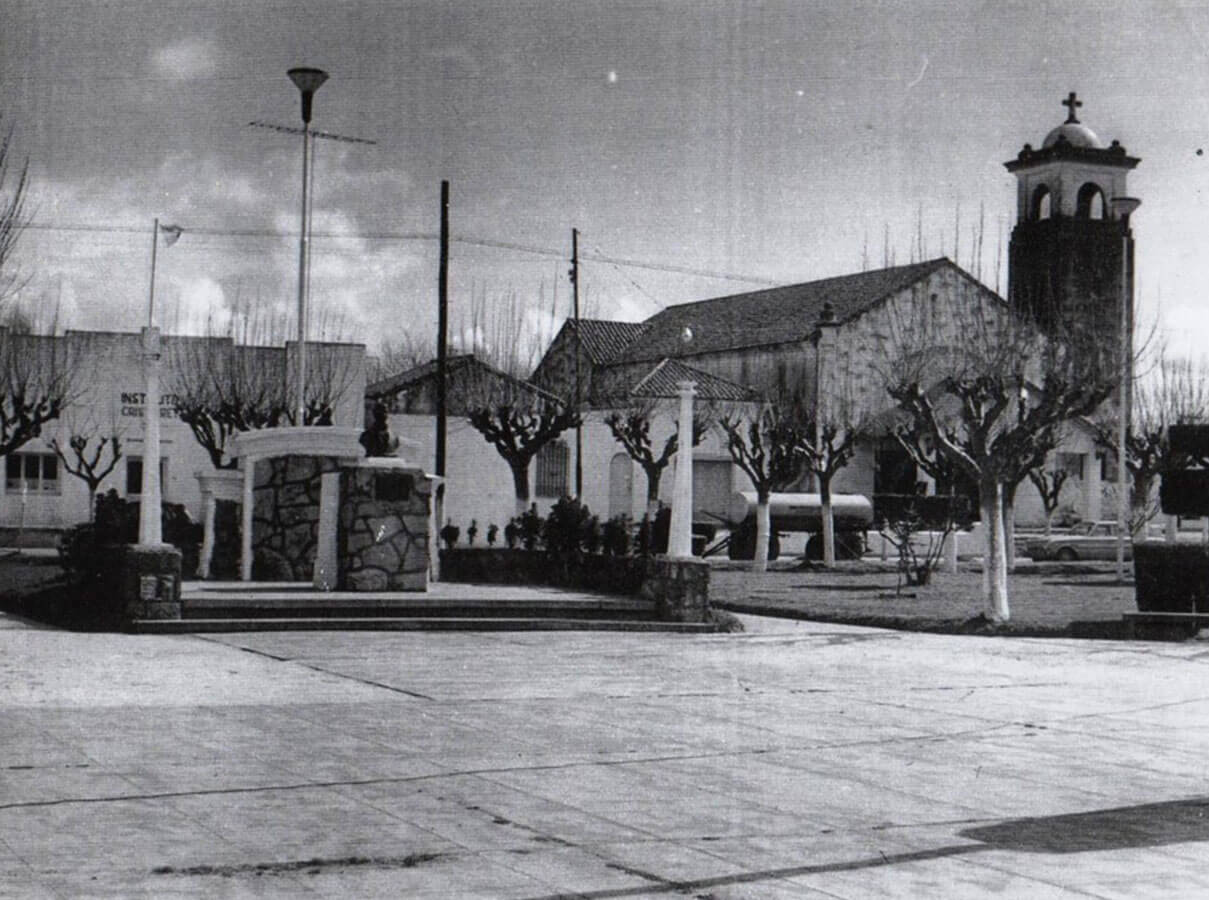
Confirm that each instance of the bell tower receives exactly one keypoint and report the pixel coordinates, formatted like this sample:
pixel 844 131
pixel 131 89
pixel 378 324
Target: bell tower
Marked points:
pixel 1070 260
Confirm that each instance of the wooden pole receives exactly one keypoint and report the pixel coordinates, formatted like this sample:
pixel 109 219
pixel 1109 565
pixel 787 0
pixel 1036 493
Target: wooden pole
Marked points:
pixel 579 432
pixel 442 333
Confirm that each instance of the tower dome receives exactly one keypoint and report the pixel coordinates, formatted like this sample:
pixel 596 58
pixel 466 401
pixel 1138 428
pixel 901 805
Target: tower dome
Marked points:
pixel 1074 133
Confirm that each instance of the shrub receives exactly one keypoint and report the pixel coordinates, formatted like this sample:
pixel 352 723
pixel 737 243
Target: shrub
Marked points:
pixel 493 531
pixel 566 528
pixel 449 534
pixel 86 550
pixel 615 536
pixel 529 524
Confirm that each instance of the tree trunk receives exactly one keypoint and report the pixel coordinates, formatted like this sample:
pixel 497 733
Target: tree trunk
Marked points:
pixel 828 522
pixel 994 559
pixel 1009 526
pixel 520 482
pixel 653 476
pixel 92 503
pixel 759 562
pixel 1049 522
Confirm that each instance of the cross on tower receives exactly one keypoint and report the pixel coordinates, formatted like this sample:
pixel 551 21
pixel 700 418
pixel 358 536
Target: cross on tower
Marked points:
pixel 1072 103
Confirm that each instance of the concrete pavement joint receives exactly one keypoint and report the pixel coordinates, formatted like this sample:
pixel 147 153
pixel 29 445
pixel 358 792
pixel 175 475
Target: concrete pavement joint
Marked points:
pixel 323 671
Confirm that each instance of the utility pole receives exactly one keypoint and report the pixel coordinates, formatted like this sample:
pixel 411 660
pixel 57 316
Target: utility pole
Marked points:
pixel 442 335
pixel 579 432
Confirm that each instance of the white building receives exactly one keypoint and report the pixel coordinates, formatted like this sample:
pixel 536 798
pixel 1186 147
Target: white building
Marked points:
pixel 106 370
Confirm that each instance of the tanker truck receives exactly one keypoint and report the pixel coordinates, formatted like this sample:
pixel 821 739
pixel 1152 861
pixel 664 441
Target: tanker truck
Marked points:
pixel 851 513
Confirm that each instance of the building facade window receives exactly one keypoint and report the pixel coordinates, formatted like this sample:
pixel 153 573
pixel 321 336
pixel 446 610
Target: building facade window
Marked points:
pixel 552 465
pixel 33 473
pixel 134 475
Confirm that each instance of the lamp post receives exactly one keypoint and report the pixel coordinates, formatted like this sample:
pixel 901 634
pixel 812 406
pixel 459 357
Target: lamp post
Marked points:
pixel 1124 207
pixel 307 81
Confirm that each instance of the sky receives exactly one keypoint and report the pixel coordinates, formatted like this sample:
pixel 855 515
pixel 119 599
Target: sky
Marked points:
pixel 700 148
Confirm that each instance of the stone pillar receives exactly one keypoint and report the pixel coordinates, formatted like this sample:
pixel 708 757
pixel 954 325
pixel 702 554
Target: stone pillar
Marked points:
pixel 150 526
pixel 680 532
pixel 326 551
pixel 150 582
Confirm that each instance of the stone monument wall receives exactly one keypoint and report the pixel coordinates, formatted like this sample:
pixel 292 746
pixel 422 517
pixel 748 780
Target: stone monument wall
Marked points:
pixel 383 533
pixel 285 517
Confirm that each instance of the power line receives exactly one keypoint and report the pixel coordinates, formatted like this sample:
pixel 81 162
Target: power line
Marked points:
pixel 417 236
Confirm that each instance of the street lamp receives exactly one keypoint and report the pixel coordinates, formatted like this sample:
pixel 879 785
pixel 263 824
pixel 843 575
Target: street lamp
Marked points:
pixel 1124 207
pixel 307 81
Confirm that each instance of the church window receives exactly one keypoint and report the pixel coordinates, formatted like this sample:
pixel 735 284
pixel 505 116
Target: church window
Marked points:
pixel 1042 203
pixel 552 464
pixel 1091 202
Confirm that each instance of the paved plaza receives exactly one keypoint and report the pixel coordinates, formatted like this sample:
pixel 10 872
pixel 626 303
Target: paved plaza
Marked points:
pixel 794 760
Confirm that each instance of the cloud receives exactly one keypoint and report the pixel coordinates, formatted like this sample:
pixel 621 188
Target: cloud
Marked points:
pixel 190 58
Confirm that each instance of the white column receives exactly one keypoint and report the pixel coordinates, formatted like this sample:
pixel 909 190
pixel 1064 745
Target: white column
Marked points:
pixel 245 531
pixel 150 531
pixel 680 534
pixel 326 554
pixel 209 508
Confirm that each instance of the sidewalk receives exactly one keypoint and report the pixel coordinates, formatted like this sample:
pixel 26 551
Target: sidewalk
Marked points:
pixel 794 760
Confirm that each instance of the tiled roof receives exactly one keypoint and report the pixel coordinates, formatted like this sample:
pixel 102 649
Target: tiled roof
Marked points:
pixel 602 339
pixel 662 380
pixel 454 366
pixel 763 318
pixel 415 375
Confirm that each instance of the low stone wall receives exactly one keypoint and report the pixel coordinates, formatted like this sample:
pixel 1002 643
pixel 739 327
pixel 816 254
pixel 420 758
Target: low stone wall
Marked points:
pixel 680 587
pixel 285 516
pixel 382 542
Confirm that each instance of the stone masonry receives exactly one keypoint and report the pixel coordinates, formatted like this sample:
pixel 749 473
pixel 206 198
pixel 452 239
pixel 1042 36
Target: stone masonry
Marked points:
pixel 285 524
pixel 383 530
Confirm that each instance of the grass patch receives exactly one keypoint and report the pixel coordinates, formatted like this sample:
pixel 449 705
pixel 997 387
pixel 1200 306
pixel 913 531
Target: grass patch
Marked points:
pixel 1046 599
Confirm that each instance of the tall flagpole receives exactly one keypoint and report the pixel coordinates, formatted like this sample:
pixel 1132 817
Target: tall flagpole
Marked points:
pixel 150 531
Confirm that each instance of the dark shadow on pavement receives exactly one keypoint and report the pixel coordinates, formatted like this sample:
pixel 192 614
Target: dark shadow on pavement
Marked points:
pixel 1146 825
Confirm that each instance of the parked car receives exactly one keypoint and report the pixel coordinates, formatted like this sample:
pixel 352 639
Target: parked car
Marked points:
pixel 1087 540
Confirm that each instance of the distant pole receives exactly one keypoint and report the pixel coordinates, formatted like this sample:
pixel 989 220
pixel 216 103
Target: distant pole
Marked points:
pixel 1124 207
pixel 155 240
pixel 579 432
pixel 442 333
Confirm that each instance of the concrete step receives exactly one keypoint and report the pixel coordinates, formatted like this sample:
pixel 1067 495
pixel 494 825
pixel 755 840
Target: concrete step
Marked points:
pixel 411 623
pixel 253 606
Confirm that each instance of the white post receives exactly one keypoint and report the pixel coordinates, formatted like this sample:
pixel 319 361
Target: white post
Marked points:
pixel 953 537
pixel 680 533
pixel 245 531
pixel 209 509
pixel 327 561
pixel 150 531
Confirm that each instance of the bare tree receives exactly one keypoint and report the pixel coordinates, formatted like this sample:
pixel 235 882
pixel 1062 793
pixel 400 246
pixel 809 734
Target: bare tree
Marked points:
pixel 1049 484
pixel 767 446
pixel 991 400
pixel 220 388
pixel 1173 391
pixel 14 219
pixel 631 427
pixel 517 419
pixel 95 448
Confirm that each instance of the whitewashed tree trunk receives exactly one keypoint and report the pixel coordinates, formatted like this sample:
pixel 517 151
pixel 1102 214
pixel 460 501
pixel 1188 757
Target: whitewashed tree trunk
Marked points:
pixel 828 524
pixel 759 562
pixel 994 565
